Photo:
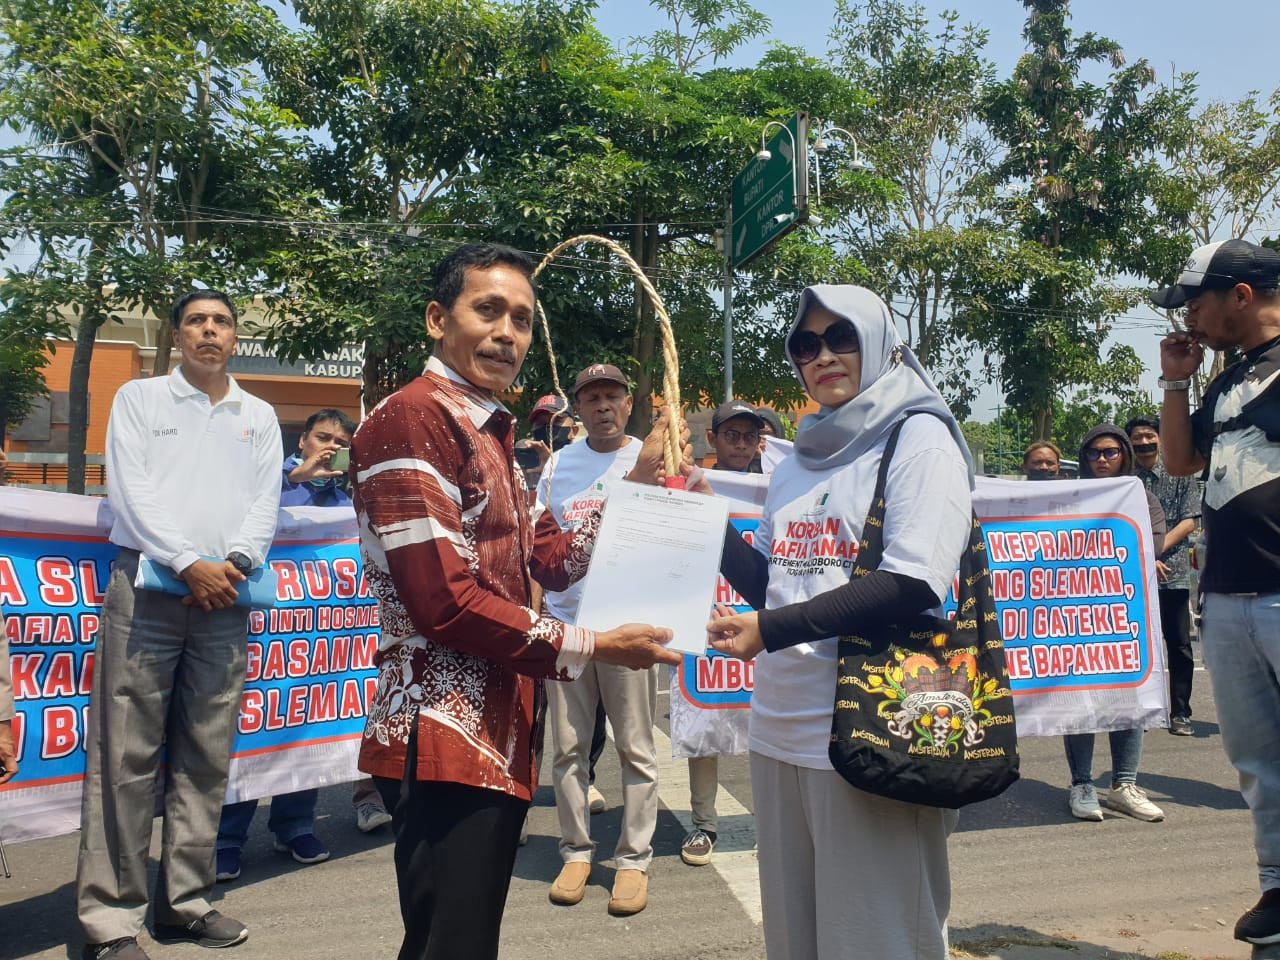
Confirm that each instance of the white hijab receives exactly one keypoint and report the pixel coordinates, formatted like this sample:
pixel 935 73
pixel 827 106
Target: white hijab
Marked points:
pixel 893 384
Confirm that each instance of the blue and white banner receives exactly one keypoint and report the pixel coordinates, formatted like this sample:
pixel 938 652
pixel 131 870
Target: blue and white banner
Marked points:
pixel 310 657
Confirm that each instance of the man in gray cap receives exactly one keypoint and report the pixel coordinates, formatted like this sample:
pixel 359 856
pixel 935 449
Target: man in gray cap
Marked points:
pixel 574 484
pixel 1229 292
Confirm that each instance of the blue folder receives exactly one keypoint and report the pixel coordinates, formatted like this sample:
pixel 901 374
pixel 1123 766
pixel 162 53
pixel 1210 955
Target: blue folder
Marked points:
pixel 259 590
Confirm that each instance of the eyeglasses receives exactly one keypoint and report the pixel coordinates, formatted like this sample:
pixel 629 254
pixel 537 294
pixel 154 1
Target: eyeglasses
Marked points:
pixel 735 437
pixel 805 345
pixel 1107 453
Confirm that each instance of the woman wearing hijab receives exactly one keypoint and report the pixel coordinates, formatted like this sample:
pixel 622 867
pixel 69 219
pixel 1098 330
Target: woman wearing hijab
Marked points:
pixel 1105 453
pixel 844 873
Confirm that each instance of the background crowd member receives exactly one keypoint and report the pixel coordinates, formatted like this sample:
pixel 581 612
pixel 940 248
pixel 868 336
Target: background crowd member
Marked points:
pixel 1106 453
pixel 573 488
pixel 1229 291
pixel 771 426
pixel 450 550
pixel 818 835
pixel 735 436
pixel 1041 460
pixel 552 425
pixel 307 480
pixel 194 466
pixel 1180 501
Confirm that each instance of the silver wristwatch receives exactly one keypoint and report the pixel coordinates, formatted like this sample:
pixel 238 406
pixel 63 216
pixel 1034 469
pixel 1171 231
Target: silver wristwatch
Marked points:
pixel 1174 384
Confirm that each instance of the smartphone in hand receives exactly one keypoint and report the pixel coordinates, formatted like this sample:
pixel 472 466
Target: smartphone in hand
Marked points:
pixel 341 460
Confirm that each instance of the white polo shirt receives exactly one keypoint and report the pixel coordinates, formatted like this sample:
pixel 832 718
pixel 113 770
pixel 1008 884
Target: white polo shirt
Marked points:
pixel 187 479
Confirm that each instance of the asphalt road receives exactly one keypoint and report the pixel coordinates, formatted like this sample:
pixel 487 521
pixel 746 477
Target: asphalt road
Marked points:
pixel 1030 882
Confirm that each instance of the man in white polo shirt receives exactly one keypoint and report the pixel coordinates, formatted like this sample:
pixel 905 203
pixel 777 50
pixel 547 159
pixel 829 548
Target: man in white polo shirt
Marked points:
pixel 193 473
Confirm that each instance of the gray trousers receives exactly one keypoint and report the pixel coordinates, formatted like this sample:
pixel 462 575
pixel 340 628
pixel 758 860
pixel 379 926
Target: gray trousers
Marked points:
pixel 629 698
pixel 164 675
pixel 846 875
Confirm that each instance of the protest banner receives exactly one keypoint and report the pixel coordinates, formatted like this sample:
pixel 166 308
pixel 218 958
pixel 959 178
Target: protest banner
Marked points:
pixel 1073 571
pixel 711 693
pixel 1072 568
pixel 310 657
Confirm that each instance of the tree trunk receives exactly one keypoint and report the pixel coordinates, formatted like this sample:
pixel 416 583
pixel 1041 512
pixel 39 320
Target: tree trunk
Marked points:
pixel 1042 421
pixel 164 347
pixel 78 390
pixel 646 337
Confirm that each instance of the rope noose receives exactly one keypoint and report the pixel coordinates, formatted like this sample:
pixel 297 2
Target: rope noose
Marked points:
pixel 671 364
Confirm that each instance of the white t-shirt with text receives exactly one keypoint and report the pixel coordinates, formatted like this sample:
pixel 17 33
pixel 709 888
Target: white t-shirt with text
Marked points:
pixel 810 531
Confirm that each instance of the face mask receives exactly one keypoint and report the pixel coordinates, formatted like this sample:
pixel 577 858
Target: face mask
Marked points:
pixel 1042 473
pixel 1145 448
pixel 553 438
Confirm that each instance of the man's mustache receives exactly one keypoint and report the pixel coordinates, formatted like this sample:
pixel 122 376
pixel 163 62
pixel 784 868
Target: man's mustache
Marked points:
pixel 505 356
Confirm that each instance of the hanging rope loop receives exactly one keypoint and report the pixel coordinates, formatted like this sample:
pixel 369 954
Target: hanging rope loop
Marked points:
pixel 670 362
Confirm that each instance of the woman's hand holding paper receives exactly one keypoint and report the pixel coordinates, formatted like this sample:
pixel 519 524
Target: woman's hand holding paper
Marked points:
pixel 735 634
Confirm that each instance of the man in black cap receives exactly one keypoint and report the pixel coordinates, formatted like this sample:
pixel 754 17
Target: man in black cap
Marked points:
pixel 736 428
pixel 735 436
pixel 1229 292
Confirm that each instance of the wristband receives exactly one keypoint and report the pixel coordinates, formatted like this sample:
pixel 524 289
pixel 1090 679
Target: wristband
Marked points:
pixel 1174 384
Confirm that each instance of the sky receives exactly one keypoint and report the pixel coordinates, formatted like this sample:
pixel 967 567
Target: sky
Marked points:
pixel 1231 44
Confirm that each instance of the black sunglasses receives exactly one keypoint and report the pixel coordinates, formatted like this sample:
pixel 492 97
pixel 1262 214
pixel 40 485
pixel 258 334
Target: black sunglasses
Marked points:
pixel 840 337
pixel 1106 453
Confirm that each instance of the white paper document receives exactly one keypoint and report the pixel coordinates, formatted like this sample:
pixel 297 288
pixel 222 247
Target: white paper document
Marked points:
pixel 655 561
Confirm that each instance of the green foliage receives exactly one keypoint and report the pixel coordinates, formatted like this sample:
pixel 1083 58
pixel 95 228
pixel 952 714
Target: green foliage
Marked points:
pixel 704 28
pixel 1081 179
pixel 926 83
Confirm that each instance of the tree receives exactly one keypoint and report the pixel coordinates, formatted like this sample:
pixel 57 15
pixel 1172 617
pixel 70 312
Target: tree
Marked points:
pixel 1228 175
pixel 1081 180
pixel 144 133
pixel 922 129
pixel 403 101
pixel 703 28
pixel 645 153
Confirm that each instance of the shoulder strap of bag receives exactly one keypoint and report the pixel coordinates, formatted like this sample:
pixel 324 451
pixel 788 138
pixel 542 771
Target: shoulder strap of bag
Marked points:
pixel 871 545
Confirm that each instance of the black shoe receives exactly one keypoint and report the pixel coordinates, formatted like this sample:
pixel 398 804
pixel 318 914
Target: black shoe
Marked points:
pixel 126 948
pixel 211 930
pixel 1262 923
pixel 1180 727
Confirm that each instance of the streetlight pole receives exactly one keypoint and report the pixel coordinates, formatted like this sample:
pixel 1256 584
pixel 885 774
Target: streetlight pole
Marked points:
pixel 999 441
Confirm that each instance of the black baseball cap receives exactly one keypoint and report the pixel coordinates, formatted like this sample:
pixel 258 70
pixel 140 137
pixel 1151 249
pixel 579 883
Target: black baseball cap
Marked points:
pixel 1220 266
pixel 734 408
pixel 598 372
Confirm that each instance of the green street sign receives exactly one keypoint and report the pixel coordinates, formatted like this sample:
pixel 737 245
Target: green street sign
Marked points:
pixel 771 198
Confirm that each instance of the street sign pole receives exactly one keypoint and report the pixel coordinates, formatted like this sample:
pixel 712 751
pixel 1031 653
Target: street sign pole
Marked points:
pixel 728 302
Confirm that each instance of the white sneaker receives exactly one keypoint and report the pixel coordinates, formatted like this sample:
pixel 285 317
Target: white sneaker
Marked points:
pixel 1127 798
pixel 1084 802
pixel 595 800
pixel 371 816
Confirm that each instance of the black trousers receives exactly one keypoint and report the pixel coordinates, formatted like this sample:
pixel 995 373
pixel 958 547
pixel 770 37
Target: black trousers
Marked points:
pixel 455 851
pixel 1175 622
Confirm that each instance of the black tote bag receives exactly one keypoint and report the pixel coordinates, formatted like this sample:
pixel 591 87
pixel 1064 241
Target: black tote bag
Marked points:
pixel 923 711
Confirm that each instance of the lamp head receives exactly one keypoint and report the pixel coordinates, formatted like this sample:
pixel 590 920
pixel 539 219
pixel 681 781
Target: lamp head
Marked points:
pixel 859 165
pixel 781 218
pixel 763 156
pixel 820 146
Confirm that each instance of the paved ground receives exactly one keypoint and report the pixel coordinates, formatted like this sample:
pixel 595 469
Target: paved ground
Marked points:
pixel 1030 883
